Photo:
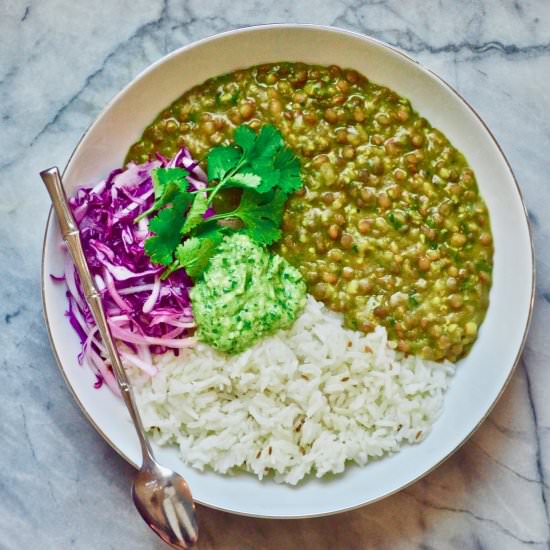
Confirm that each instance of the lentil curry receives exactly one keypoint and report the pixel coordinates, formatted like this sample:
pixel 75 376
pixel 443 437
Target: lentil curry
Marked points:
pixel 389 228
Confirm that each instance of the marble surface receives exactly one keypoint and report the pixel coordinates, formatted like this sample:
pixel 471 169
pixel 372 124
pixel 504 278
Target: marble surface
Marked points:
pixel 61 486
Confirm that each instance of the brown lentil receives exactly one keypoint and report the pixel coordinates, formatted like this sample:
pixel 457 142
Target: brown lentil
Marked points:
pixel 398 209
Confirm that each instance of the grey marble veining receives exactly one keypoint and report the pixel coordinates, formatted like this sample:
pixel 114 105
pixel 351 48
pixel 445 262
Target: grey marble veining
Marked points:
pixel 61 486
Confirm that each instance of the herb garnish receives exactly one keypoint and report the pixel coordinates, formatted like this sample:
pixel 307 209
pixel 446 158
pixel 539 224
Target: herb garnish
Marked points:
pixel 413 300
pixel 166 225
pixel 195 252
pixel 395 221
pixel 258 163
pixel 261 215
pixel 167 184
pixel 483 265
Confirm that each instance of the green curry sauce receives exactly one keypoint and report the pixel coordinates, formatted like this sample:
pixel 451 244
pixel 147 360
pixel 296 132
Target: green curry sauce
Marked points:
pixel 245 294
pixel 390 227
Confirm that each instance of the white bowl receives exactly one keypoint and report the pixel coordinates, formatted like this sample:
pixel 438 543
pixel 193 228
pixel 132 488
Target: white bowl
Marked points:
pixel 481 376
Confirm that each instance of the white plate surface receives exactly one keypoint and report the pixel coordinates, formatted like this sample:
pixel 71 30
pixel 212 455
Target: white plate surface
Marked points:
pixel 480 378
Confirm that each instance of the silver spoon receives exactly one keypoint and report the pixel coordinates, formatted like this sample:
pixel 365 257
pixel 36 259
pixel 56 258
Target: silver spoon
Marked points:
pixel 161 496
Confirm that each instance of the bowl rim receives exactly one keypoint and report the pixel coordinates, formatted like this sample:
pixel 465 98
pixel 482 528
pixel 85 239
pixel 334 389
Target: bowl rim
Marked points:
pixel 430 73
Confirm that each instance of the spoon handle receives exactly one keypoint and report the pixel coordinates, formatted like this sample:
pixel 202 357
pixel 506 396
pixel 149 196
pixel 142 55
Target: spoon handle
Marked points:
pixel 71 236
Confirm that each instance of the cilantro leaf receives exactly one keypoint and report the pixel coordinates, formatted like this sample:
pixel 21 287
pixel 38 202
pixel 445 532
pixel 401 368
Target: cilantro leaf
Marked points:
pixel 222 160
pixel 268 142
pixel 245 180
pixel 288 166
pixel 262 215
pixel 245 138
pixel 264 168
pixel 166 225
pixel 195 253
pixel 273 162
pixel 167 183
pixel 263 163
pixel 196 212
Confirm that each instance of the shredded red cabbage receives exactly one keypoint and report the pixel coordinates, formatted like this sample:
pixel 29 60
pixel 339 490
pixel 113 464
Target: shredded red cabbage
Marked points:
pixel 146 315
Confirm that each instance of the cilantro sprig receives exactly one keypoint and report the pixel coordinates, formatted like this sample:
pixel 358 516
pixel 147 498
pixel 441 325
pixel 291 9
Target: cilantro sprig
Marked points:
pixel 258 163
pixel 261 215
pixel 166 226
pixel 168 183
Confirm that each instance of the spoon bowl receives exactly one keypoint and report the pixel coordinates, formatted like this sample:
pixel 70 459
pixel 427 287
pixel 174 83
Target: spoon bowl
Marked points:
pixel 164 501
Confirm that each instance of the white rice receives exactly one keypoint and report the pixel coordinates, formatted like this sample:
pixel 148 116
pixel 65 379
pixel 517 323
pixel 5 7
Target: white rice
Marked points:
pixel 305 400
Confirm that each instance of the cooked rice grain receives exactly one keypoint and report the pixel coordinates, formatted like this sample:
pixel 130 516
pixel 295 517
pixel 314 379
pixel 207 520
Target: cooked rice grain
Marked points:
pixel 305 400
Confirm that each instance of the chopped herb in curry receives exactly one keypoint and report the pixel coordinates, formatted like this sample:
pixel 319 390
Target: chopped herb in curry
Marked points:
pixel 389 227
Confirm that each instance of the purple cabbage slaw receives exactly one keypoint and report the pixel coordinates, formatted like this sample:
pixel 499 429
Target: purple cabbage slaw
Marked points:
pixel 146 315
